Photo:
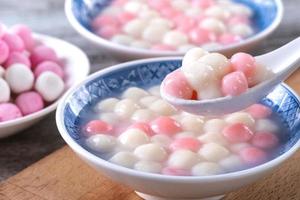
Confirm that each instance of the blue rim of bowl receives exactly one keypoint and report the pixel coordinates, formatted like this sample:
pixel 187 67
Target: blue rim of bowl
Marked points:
pixel 188 179
pixel 97 39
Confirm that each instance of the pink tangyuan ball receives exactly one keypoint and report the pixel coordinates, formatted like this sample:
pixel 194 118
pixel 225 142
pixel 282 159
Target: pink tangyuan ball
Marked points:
pixel 97 127
pixel 9 111
pixel 14 42
pixel 17 57
pixel 176 84
pixel 243 62
pixel 259 111
pixel 234 84
pixel 165 125
pixel 253 155
pixel 4 51
pixel 48 66
pixel 30 102
pixel 265 140
pixel 42 53
pixel 238 132
pixel 25 33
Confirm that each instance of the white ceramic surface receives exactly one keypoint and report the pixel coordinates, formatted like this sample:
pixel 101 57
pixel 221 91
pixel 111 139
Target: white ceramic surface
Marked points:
pixel 129 53
pixel 76 68
pixel 282 62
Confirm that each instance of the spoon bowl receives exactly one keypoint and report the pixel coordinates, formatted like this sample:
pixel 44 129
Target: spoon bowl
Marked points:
pixel 282 61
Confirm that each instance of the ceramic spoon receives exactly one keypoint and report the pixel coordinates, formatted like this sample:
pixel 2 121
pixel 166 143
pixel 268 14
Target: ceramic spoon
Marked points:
pixel 282 62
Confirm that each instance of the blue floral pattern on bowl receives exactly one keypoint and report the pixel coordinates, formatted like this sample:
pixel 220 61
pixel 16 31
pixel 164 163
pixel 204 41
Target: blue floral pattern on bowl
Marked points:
pixel 281 100
pixel 264 11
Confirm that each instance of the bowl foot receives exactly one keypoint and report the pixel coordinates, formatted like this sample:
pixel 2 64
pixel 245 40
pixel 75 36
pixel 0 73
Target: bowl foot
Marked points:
pixel 150 197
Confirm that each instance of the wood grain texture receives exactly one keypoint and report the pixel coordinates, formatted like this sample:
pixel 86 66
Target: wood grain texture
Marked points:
pixel 62 176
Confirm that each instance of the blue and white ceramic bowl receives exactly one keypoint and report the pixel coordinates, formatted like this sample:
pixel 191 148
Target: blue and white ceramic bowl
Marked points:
pixel 267 16
pixel 150 72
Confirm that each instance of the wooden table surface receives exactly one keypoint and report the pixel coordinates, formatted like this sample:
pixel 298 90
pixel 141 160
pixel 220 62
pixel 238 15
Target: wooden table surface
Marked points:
pixel 47 16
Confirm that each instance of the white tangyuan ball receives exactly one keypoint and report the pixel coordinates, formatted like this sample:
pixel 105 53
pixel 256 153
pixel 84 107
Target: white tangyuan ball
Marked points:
pixel 183 159
pixel 181 5
pixel 135 27
pixel 261 74
pixel 134 93
pixel 143 115
pixel 237 148
pixel 265 125
pixel 206 169
pixel 225 2
pixel 240 117
pixel 212 24
pixel 133 138
pixel 211 46
pixel 122 39
pixel 161 22
pixel 214 126
pixel 148 15
pixel 192 123
pixel 148 100
pixel 162 107
pixel 5 91
pixel 110 118
pixel 148 166
pixel 213 152
pixel 186 134
pixel 125 159
pixel 140 44
pixel 101 143
pixel 155 91
pixel 210 91
pixel 125 108
pixel 151 152
pixel 175 38
pixel 193 12
pixel 193 55
pixel 50 86
pixel 199 75
pixel 177 117
pixel 218 62
pixel 19 78
pixel 240 9
pixel 242 30
pixel 162 140
pixel 154 34
pixel 135 7
pixel 232 162
pixel 2 71
pixel 213 138
pixel 218 12
pixel 106 105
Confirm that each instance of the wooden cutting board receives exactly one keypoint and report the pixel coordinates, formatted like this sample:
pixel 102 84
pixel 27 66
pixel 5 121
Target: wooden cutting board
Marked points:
pixel 62 176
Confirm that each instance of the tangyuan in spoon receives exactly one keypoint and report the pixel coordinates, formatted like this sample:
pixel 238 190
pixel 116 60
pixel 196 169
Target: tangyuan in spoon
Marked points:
pixel 211 84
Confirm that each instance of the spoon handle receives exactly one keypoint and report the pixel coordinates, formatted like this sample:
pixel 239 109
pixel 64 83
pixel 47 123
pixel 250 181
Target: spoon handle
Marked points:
pixel 284 60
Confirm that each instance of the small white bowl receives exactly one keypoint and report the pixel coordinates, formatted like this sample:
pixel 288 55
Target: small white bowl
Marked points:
pixel 76 68
pixel 268 15
pixel 150 72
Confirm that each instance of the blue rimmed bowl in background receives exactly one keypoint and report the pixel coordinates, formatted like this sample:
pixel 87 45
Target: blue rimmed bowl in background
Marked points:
pixel 267 16
pixel 150 72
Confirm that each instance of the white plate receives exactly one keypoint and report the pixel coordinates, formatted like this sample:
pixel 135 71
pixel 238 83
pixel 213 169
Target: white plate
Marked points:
pixel 76 68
